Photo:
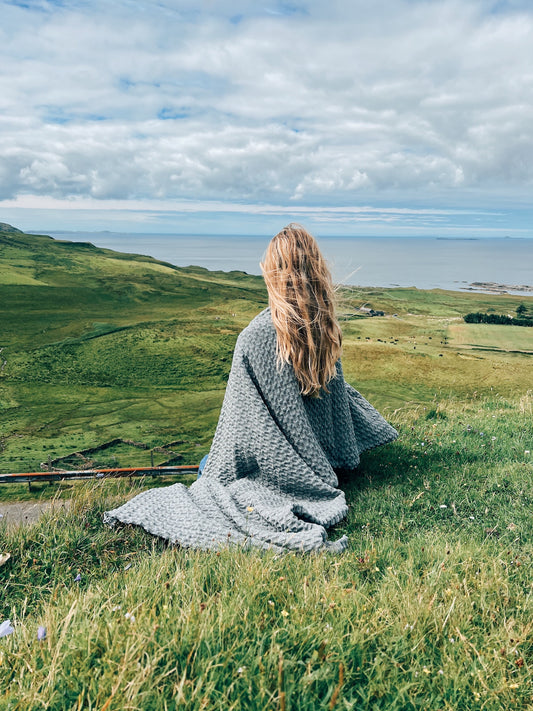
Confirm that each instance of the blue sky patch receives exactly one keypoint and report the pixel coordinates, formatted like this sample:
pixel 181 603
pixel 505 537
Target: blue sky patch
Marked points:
pixel 167 113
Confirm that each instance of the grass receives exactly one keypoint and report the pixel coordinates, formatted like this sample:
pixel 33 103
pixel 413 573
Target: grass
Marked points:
pixel 430 607
pixel 488 336
pixel 124 346
pixel 108 345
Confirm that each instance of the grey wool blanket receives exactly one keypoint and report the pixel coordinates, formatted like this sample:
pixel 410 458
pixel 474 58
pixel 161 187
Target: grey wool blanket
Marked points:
pixel 270 477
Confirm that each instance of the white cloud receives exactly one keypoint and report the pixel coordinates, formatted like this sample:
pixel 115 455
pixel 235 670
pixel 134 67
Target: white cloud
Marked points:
pixel 321 103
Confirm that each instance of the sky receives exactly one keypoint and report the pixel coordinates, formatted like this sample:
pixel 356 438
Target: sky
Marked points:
pixel 390 117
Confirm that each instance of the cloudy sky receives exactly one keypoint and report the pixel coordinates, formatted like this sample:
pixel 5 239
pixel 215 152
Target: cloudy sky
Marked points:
pixel 236 116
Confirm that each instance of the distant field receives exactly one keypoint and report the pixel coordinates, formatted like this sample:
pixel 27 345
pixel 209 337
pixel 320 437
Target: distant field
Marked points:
pixel 98 345
pixel 481 335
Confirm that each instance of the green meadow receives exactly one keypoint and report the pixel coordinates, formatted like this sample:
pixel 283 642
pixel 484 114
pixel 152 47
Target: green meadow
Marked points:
pixel 431 606
pixel 98 345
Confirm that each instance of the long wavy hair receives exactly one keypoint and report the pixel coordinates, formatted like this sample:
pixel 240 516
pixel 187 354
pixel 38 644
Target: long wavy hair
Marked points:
pixel 301 299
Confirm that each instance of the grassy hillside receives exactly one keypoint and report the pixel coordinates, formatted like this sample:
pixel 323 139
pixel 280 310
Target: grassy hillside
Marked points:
pixel 98 345
pixel 430 608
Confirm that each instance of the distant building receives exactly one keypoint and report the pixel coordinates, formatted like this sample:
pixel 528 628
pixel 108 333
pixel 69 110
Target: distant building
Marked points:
pixel 371 312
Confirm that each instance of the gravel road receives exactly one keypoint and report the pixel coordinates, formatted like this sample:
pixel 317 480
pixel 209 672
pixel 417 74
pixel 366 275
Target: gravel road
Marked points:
pixel 26 512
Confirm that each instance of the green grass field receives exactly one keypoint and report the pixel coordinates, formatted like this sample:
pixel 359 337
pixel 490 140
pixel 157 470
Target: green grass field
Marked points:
pixel 103 345
pixel 430 608
pixel 480 336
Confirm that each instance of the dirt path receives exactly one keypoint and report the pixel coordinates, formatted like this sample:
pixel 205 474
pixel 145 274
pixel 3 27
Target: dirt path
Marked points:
pixel 26 512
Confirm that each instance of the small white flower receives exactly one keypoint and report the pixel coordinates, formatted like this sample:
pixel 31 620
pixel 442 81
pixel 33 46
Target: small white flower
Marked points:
pixel 443 506
pixel 6 628
pixel 130 617
pixel 493 438
pixel 472 518
pixel 117 607
pixel 526 451
pixel 440 671
pixel 240 670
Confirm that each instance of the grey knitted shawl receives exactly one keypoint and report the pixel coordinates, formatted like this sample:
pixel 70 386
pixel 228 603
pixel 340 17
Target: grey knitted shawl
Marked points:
pixel 269 480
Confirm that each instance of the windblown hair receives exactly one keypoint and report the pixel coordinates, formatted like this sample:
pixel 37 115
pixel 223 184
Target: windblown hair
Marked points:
pixel 301 298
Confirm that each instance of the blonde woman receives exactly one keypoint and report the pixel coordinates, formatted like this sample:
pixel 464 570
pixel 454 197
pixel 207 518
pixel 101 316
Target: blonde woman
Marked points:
pixel 289 421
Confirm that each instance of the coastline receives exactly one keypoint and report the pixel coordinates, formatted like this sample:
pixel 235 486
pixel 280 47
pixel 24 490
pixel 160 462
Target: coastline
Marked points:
pixel 490 287
pixel 489 265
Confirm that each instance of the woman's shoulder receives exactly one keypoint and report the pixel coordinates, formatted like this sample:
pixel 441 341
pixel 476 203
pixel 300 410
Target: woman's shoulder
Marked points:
pixel 259 332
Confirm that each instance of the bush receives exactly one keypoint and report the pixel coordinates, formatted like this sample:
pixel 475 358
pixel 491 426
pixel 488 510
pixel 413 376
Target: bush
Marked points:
pixel 500 319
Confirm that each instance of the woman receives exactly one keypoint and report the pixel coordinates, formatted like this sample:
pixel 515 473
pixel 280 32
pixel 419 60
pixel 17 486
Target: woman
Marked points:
pixel 288 421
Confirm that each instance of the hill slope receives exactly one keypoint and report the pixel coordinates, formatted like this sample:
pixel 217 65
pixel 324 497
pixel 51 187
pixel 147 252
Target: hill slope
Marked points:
pixel 4 227
pixel 98 345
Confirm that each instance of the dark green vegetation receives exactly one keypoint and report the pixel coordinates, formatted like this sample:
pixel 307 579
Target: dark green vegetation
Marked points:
pixel 501 319
pixel 430 608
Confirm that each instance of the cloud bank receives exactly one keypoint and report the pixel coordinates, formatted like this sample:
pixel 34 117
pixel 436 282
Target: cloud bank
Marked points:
pixel 404 103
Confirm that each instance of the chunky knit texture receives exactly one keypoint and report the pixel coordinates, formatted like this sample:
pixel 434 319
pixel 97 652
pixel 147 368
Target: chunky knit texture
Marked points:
pixel 269 480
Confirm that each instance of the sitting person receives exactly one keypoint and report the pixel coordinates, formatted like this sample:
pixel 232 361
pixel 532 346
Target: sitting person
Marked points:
pixel 288 422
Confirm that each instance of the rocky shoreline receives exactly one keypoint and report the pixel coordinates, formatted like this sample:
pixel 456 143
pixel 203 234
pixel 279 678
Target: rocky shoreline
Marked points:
pixel 495 288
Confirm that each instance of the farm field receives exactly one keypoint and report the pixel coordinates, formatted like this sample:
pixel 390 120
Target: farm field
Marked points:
pixel 431 606
pixel 478 336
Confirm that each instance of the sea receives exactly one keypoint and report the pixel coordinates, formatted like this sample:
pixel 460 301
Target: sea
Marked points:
pixel 424 262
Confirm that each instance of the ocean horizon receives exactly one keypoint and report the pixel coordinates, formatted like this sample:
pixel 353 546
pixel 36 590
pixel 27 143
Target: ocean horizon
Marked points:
pixel 423 262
